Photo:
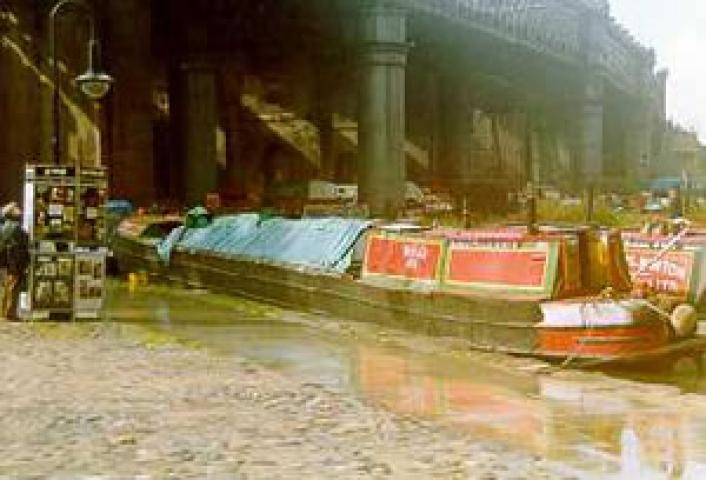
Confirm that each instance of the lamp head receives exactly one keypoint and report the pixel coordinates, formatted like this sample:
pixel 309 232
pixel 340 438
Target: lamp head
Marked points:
pixel 94 84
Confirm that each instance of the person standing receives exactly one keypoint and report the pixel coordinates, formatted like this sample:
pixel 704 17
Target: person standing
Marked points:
pixel 14 249
pixel 3 259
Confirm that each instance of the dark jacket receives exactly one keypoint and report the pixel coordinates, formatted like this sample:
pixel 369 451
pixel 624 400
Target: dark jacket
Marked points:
pixel 14 247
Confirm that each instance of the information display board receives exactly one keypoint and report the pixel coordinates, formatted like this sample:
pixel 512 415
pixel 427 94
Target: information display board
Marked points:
pixel 64 216
pixel 89 295
pixel 50 203
pixel 92 187
pixel 52 282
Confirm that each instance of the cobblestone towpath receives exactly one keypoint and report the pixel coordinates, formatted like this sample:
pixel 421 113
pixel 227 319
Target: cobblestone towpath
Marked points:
pixel 112 402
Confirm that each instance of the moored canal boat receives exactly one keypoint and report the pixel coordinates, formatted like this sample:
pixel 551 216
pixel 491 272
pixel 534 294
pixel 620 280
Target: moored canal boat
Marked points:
pixel 562 294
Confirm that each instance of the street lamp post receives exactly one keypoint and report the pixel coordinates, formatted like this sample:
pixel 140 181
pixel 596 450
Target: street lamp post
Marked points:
pixel 94 82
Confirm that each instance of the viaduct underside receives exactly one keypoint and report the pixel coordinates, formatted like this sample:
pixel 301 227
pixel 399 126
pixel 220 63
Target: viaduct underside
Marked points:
pixel 243 97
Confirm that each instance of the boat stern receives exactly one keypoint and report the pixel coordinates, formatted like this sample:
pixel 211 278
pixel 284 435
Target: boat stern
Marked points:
pixel 601 329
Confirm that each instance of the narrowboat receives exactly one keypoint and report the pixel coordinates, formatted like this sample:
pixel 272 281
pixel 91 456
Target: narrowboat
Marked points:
pixel 562 294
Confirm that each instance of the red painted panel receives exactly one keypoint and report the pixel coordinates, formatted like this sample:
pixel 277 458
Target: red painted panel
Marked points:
pixel 515 268
pixel 400 257
pixel 671 274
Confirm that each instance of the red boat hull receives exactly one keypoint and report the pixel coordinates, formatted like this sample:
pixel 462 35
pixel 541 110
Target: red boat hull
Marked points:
pixel 602 342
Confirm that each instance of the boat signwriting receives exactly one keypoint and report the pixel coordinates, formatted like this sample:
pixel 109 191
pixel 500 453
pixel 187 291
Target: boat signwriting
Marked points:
pixel 403 257
pixel 672 273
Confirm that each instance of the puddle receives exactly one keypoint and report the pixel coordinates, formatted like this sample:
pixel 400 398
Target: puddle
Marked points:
pixel 588 428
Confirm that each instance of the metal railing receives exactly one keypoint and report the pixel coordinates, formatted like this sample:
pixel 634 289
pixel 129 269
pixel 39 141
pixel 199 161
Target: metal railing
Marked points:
pixel 555 28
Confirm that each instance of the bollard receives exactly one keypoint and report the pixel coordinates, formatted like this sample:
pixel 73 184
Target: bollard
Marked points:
pixel 132 281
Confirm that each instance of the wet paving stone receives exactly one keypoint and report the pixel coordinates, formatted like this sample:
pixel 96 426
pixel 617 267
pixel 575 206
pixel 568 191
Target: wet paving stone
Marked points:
pixel 109 420
pixel 290 400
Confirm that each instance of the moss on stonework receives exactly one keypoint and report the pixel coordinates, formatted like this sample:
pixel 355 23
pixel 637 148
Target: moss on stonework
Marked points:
pixel 143 335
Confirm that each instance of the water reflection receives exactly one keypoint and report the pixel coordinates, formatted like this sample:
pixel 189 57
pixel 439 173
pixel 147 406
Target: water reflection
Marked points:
pixel 585 428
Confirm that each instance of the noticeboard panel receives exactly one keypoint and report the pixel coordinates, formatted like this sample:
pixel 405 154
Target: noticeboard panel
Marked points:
pixel 52 282
pixel 90 281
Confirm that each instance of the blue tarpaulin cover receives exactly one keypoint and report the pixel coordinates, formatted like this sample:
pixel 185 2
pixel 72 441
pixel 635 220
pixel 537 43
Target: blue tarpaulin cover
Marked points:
pixel 319 243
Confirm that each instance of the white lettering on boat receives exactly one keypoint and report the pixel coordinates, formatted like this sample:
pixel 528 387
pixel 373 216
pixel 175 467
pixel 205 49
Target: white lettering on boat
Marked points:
pixel 415 255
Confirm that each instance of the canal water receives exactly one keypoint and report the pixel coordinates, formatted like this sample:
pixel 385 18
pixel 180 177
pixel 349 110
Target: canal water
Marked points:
pixel 586 426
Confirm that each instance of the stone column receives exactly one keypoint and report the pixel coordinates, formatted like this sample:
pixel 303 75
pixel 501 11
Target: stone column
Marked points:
pixel 456 152
pixel 544 151
pixel 381 107
pixel 591 131
pixel 235 178
pixel 323 119
pixel 199 132
pixel 591 141
pixel 591 114
pixel 639 142
pixel 128 138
